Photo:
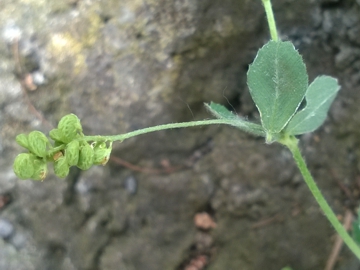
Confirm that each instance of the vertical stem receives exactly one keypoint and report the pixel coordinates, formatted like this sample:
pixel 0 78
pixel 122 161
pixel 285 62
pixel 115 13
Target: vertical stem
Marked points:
pixel 292 144
pixel 270 19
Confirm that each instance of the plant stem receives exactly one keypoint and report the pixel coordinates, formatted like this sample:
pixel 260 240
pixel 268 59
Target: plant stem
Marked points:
pixel 270 19
pixel 125 136
pixel 292 144
pixel 55 150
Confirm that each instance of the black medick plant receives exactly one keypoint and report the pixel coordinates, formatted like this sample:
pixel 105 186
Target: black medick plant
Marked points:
pixel 278 84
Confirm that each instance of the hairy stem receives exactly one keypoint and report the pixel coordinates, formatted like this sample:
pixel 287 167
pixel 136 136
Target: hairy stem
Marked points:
pixel 55 150
pixel 270 19
pixel 292 143
pixel 125 136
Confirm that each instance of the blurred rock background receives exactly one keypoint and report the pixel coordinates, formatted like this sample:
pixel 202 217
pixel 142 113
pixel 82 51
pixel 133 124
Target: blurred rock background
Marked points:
pixel 125 65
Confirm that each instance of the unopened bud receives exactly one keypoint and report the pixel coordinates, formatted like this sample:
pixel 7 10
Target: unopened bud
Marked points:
pixel 102 153
pixel 22 140
pixel 61 167
pixel 72 153
pixel 40 169
pixel 86 157
pixel 24 165
pixel 38 143
pixel 70 126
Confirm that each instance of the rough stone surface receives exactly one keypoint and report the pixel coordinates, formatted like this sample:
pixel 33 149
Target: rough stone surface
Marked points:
pixel 125 65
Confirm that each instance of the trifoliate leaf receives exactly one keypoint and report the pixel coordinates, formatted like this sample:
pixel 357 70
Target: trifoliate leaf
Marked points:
pixel 319 96
pixel 38 143
pixel 69 126
pixel 86 157
pixel 277 80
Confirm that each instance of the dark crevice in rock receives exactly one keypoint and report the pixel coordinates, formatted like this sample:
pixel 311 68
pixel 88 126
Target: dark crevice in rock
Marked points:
pixel 73 177
pixel 332 4
pixel 100 251
pixel 99 254
pixel 54 256
pixel 5 200
pixel 197 259
pixel 105 18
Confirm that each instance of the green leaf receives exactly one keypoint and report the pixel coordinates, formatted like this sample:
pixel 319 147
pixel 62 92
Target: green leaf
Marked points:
pixel 319 96
pixel 277 81
pixel 219 111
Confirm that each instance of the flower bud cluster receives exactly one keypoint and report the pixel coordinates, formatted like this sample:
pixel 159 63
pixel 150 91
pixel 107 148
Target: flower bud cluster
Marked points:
pixel 69 149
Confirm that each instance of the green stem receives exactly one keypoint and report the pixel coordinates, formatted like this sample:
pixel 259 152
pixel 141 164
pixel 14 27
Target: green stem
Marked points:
pixel 54 151
pixel 270 19
pixel 292 144
pixel 125 136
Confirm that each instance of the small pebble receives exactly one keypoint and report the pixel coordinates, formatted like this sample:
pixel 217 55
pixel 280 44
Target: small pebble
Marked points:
pixel 130 184
pixel 11 33
pixel 18 240
pixel 6 229
pixel 38 78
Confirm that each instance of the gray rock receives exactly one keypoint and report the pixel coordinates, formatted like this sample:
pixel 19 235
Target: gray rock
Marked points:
pixel 18 240
pixel 346 57
pixel 11 258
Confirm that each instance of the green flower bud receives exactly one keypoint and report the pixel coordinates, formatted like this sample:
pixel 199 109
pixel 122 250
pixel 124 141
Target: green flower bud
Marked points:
pixel 86 157
pixel 61 167
pixel 38 143
pixel 102 153
pixel 72 153
pixel 56 135
pixel 22 140
pixel 70 126
pixel 24 165
pixel 40 169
